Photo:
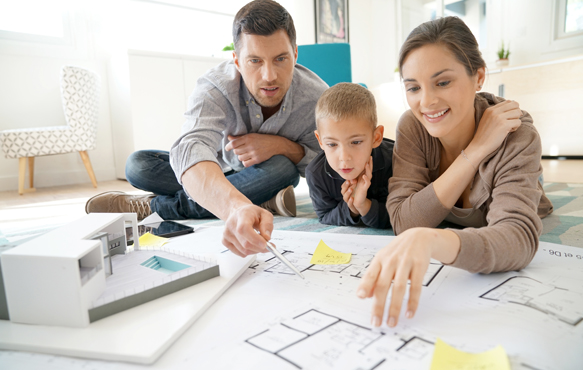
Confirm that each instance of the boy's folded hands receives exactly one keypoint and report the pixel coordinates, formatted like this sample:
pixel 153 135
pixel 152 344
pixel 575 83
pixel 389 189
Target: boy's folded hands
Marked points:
pixel 346 190
pixel 354 192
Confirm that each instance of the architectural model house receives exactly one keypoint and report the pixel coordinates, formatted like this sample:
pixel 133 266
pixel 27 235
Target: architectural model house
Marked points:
pixel 85 271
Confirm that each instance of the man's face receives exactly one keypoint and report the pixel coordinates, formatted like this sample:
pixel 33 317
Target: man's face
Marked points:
pixel 267 66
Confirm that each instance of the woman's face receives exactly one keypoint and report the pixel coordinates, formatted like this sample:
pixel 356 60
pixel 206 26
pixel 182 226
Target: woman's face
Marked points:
pixel 439 91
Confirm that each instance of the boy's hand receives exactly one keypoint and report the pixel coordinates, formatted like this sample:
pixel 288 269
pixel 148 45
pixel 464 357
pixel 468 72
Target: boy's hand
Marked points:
pixel 346 190
pixel 359 199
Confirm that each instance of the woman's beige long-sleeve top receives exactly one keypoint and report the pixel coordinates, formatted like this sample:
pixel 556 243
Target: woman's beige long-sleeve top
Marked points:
pixel 505 190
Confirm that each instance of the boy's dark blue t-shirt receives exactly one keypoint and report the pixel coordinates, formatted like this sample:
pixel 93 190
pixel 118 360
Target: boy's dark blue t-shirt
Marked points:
pixel 325 185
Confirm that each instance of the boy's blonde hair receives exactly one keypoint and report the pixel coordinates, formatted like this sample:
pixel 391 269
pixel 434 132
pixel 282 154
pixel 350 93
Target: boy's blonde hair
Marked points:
pixel 347 100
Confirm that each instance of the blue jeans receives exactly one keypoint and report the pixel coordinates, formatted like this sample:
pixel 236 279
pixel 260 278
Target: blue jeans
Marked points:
pixel 150 170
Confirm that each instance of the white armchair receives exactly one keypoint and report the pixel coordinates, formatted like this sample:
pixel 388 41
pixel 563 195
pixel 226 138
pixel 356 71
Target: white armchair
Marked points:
pixel 80 97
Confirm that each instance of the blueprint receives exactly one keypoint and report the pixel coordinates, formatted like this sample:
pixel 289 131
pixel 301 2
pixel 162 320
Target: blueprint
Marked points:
pixel 535 314
pixel 345 277
pixel 559 302
pixel 316 340
pixel 272 319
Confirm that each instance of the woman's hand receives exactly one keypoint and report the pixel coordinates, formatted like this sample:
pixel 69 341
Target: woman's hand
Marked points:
pixel 405 259
pixel 497 121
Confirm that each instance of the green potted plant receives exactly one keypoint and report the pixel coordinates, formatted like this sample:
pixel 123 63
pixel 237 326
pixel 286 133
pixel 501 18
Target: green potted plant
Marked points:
pixel 503 54
pixel 227 51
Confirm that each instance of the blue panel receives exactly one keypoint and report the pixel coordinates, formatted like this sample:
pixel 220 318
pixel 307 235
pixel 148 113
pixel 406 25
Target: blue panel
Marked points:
pixel 329 61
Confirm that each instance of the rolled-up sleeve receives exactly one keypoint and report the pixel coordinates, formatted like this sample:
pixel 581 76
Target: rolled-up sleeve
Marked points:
pixel 221 105
pixel 311 149
pixel 377 215
pixel 202 132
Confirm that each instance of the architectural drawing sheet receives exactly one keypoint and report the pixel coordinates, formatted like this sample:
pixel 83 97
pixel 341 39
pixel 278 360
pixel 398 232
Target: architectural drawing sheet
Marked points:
pixel 272 319
pixel 535 314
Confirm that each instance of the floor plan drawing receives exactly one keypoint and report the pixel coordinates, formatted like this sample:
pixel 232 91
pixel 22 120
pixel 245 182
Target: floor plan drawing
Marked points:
pixel 318 340
pixel 273 319
pixel 565 305
pixel 300 256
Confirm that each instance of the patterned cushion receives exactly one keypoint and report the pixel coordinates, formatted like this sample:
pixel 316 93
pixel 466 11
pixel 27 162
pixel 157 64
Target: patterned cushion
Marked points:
pixel 80 98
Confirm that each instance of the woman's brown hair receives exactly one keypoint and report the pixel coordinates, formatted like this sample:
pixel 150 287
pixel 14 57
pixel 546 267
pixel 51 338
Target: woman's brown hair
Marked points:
pixel 451 32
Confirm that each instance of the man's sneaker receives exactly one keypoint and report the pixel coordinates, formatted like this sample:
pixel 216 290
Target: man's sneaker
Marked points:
pixel 120 202
pixel 283 204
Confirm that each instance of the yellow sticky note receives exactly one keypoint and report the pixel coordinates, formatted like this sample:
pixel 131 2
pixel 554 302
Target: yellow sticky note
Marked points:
pixel 447 357
pixel 150 240
pixel 324 255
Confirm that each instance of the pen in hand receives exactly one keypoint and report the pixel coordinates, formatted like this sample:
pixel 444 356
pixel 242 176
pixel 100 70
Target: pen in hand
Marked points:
pixel 280 256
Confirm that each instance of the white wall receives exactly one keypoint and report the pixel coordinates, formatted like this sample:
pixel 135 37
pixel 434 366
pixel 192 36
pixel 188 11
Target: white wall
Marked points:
pixel 160 86
pixel 30 97
pixel 302 12
pixel 373 30
pixel 529 27
pixel 30 74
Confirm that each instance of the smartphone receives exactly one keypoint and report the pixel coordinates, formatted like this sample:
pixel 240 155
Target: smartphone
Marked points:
pixel 165 229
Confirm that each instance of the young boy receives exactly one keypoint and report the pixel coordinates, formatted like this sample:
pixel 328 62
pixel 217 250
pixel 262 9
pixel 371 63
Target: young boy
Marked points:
pixel 349 181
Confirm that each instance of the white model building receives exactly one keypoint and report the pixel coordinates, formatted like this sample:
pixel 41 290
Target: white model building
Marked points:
pixel 84 271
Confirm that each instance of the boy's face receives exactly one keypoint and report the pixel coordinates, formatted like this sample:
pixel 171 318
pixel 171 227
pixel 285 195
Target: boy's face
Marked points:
pixel 348 144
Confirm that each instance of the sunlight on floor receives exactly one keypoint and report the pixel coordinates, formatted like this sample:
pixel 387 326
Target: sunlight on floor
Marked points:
pixel 49 207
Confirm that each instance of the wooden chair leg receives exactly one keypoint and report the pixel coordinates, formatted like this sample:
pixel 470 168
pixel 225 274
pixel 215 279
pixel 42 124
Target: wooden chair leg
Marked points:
pixel 31 172
pixel 21 174
pixel 87 163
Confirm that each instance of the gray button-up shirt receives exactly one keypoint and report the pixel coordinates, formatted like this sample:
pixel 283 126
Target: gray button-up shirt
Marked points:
pixel 221 105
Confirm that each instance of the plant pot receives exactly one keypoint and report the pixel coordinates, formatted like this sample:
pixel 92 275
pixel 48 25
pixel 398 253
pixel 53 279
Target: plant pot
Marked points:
pixel 502 62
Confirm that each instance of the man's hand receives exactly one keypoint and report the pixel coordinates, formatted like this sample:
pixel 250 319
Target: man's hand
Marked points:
pixel 240 234
pixel 242 219
pixel 252 149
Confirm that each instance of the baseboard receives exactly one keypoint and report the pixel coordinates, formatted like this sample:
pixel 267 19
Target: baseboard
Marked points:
pixel 562 157
pixel 61 178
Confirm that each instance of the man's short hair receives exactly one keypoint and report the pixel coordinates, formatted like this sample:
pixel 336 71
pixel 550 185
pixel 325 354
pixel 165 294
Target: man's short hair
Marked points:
pixel 263 18
pixel 347 100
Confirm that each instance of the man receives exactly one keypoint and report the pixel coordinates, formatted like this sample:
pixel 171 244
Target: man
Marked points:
pixel 247 138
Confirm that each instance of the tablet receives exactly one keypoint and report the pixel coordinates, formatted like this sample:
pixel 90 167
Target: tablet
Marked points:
pixel 165 229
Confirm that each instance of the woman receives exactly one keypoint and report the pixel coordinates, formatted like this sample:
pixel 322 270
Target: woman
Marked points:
pixel 472 159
